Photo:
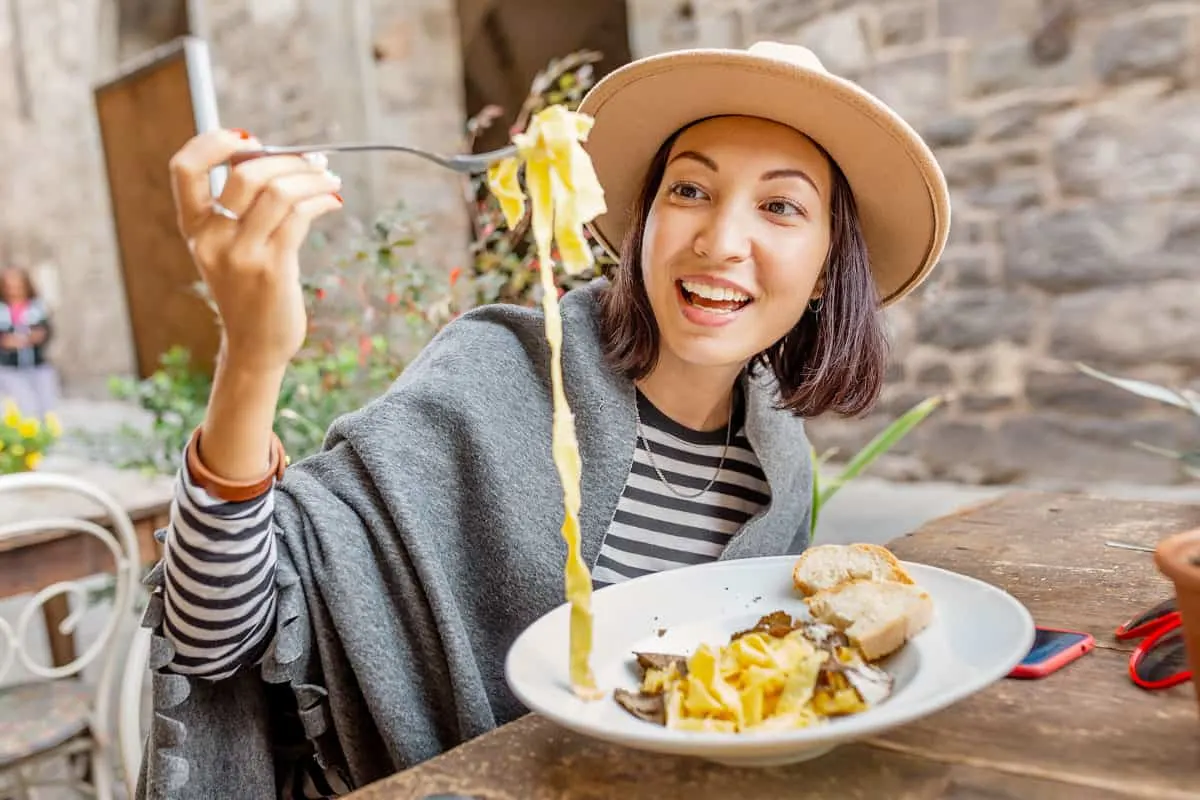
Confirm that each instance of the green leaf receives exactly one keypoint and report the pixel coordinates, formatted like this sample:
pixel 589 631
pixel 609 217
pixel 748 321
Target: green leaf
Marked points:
pixel 883 441
pixel 1150 391
pixel 815 502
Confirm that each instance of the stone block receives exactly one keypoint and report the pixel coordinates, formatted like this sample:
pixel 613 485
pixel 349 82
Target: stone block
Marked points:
pixel 840 41
pixel 995 179
pixel 1074 449
pixel 903 25
pixel 1096 245
pixel 783 18
pixel 1183 231
pixel 936 375
pixel 1073 392
pixel 967 269
pixel 1140 324
pixel 984 19
pixel 1019 119
pixel 1142 147
pixel 995 66
pixel 967 231
pixel 964 319
pixel 1144 47
pixel 917 87
pixel 959 450
pixel 953 130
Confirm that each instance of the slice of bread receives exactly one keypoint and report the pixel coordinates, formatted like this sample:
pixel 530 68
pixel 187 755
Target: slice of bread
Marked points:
pixel 828 565
pixel 878 617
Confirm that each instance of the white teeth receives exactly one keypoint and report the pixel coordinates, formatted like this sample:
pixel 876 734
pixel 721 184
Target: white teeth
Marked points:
pixel 710 292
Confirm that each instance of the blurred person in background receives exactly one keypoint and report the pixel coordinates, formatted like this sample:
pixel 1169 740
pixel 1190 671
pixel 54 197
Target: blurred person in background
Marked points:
pixel 26 376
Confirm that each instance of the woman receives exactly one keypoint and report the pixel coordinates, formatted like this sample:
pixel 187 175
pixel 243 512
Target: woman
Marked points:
pixel 358 606
pixel 26 376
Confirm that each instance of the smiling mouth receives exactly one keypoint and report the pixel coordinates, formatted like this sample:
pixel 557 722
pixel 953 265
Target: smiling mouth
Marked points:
pixel 718 300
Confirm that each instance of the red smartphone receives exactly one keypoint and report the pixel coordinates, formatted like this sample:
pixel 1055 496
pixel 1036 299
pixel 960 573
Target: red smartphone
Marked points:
pixel 1053 649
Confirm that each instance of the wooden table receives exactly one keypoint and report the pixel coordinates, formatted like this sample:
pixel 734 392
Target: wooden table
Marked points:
pixel 1085 732
pixel 33 562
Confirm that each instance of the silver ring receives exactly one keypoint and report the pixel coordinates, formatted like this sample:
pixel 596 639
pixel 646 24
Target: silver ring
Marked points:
pixel 223 211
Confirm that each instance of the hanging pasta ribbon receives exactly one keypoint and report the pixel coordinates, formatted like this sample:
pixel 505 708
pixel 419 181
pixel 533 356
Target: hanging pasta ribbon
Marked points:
pixel 564 194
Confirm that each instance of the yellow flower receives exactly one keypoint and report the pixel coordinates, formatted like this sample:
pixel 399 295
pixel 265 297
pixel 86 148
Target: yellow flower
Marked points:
pixel 32 460
pixel 12 415
pixel 28 428
pixel 53 424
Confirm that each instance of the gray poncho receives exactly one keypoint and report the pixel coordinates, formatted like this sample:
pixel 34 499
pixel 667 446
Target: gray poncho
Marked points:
pixel 415 548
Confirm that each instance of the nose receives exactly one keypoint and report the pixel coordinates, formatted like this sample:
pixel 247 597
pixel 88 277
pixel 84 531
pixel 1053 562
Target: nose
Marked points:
pixel 723 237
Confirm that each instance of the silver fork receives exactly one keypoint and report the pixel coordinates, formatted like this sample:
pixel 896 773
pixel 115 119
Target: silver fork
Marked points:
pixel 466 164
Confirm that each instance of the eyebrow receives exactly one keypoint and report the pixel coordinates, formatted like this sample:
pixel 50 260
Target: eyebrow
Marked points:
pixel 769 175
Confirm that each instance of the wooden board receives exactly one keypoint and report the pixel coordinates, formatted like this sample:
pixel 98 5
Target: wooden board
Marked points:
pixel 145 115
pixel 1085 732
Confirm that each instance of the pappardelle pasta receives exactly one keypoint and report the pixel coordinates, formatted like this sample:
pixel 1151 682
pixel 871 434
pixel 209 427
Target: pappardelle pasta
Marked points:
pixel 564 194
pixel 781 674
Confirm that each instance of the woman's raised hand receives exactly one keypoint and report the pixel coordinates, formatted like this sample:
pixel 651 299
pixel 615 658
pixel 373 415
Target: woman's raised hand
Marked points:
pixel 246 245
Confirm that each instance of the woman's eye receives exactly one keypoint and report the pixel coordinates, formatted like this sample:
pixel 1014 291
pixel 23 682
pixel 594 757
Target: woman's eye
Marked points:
pixel 783 208
pixel 688 191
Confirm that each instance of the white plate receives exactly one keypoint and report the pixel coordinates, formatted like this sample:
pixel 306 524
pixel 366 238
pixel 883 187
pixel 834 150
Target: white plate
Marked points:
pixel 978 634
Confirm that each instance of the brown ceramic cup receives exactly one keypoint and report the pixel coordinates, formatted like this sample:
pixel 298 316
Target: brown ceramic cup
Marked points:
pixel 1179 559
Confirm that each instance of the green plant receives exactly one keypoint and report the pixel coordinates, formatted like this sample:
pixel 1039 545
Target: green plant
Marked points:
pixel 823 491
pixel 1187 399
pixel 504 262
pixel 370 308
pixel 24 440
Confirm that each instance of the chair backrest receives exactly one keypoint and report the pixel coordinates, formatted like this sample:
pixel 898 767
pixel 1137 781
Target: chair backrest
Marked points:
pixel 119 538
pixel 129 707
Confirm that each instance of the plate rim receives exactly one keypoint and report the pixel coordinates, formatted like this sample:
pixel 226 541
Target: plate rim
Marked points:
pixel 715 743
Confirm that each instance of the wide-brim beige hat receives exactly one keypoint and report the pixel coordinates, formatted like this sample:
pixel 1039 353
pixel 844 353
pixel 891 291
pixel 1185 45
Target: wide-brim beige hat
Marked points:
pixel 900 191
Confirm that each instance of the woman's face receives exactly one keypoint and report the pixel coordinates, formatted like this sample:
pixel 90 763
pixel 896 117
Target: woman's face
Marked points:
pixel 12 286
pixel 736 239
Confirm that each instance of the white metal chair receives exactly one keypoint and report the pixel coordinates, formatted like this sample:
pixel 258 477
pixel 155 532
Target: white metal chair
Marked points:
pixel 129 706
pixel 52 713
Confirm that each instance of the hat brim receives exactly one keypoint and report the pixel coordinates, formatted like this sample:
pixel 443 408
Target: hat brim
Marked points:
pixel 901 193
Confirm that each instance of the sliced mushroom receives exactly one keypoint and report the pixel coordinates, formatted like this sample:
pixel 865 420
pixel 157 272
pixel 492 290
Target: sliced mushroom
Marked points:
pixel 662 662
pixel 872 684
pixel 647 707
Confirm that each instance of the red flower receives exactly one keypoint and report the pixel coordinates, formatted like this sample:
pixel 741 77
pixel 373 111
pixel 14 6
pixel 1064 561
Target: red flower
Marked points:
pixel 392 298
pixel 455 274
pixel 319 293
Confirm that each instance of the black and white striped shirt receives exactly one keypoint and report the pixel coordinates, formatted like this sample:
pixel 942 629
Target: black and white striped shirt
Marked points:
pixel 220 556
pixel 656 528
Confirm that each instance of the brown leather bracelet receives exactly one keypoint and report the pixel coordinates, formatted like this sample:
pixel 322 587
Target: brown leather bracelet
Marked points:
pixel 234 491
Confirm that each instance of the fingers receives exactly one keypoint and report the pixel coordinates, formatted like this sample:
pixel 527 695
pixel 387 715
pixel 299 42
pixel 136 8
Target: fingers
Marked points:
pixel 277 198
pixel 292 231
pixel 249 178
pixel 190 167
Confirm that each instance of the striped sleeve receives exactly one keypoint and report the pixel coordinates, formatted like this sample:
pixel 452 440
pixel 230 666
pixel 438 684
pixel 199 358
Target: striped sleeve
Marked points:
pixel 219 580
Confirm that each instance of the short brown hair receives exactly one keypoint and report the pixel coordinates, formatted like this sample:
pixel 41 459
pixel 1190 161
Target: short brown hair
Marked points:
pixel 26 278
pixel 834 359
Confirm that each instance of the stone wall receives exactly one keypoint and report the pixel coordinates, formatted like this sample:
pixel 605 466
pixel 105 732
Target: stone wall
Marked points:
pixel 288 70
pixel 1070 135
pixel 55 217
pixel 354 70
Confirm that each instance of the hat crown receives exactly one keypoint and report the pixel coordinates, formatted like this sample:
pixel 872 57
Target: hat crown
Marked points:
pixel 791 53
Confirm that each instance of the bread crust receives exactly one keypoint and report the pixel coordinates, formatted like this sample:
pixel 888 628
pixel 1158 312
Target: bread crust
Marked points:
pixel 883 558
